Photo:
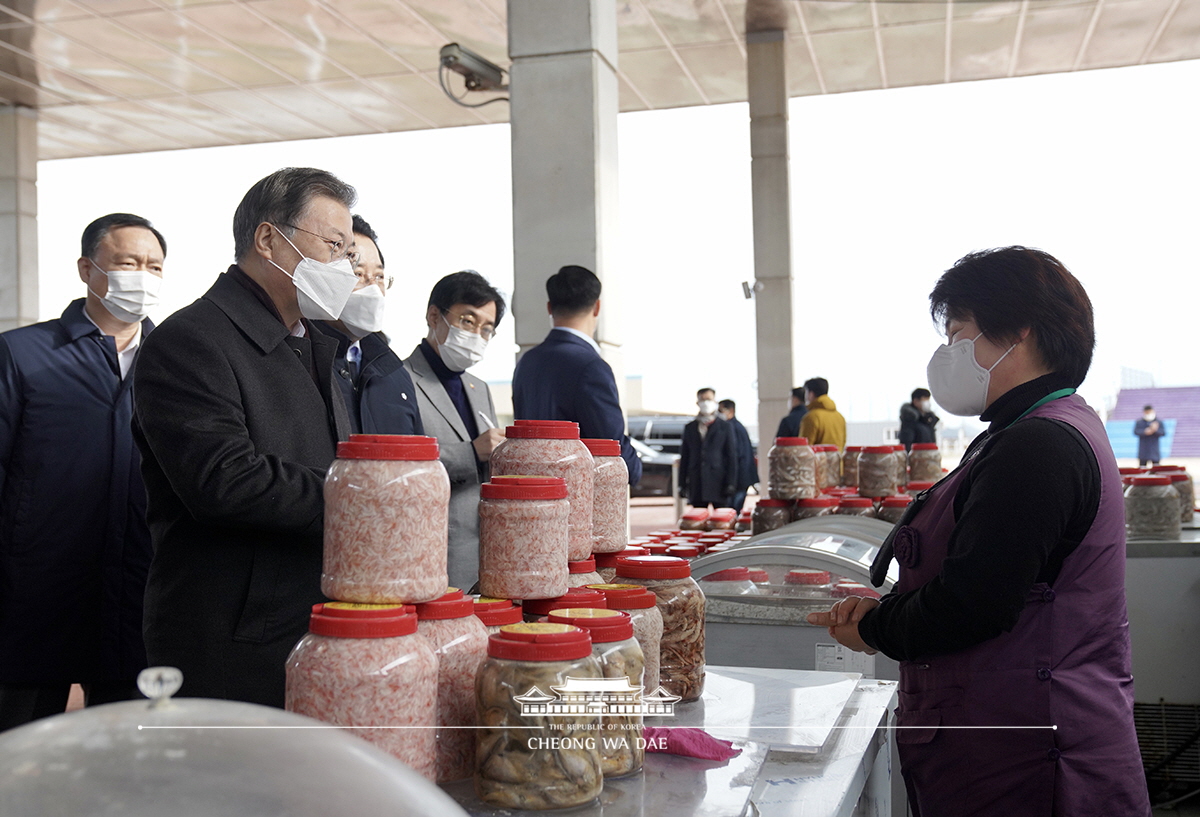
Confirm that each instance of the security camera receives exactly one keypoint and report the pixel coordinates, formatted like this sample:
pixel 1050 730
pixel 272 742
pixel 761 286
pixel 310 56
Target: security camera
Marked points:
pixel 480 74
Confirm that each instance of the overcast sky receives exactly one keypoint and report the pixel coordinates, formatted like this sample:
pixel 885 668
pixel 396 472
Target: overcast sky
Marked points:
pixel 889 188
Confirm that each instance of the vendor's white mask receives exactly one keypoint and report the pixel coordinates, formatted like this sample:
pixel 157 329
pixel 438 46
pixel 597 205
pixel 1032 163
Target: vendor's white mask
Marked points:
pixel 958 382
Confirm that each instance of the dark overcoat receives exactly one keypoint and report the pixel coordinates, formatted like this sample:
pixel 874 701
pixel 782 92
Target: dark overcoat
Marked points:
pixel 382 398
pixel 747 468
pixel 708 466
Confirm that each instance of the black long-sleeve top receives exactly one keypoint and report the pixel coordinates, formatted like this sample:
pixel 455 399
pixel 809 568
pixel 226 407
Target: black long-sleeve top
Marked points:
pixel 1031 496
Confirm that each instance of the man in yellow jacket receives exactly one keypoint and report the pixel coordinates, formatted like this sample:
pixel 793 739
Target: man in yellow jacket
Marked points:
pixel 822 425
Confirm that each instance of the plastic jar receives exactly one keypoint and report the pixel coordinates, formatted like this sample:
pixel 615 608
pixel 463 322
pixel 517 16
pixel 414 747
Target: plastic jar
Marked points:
pixel 1152 508
pixel 582 573
pixel 732 581
pixel 622 750
pixel 534 609
pixel 367 671
pixel 842 589
pixel 642 606
pixel 1181 480
pixel 855 506
pixel 694 519
pixel 817 506
pixel 915 487
pixel 387 503
pixel 925 463
pixel 495 613
pixel 744 521
pixel 828 464
pixel 523 537
pixel 807 584
pixel 530 754
pixel 552 448
pixel 610 503
pixel 459 639
pixel 893 507
pixel 877 471
pixel 850 465
pixel 683 551
pixel 771 514
pixel 606 563
pixel 681 602
pixel 791 470
pixel 721 519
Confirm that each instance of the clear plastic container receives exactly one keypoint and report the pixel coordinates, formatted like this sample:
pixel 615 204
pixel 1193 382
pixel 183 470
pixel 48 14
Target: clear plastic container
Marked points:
pixel 552 448
pixel 733 581
pixel 850 465
pixel 495 613
pixel 809 508
pixel 534 609
pixel 387 500
pixel 530 755
pixel 791 471
pixel 1152 508
pixel 642 606
pixel 681 602
pixel 1181 480
pixel 582 573
pixel 721 519
pixel 900 465
pixel 369 672
pixel 893 507
pixel 694 519
pixel 828 462
pixel 606 563
pixel 924 463
pixel 459 639
pixel 771 514
pixel 610 503
pixel 807 584
pixel 877 471
pixel 843 589
pixel 622 750
pixel 684 551
pixel 855 506
pixel 523 537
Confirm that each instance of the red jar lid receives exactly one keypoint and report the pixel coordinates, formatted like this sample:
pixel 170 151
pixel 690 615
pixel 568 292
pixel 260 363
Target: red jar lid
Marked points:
pixel 696 514
pixel 610 559
pixel 759 576
pixel 855 502
pixel 1152 480
pixel 653 567
pixel 1158 469
pixel 603 626
pixel 790 441
pixel 897 447
pixel 542 431
pixel 661 534
pixel 540 642
pixel 807 577
pixel 486 603
pixel 825 448
pixel 582 566
pixel 919 486
pixel 355 627
pixel 603 448
pixel 684 551
pixel 574 597
pixel 354 609
pixel 850 448
pixel 523 487
pixel 729 574
pixel 549 423
pixel 817 502
pixel 726 514
pixel 854 589
pixel 445 608
pixel 1130 471
pixel 499 616
pixel 451 593
pixel 924 446
pixel 388 447
pixel 1178 476
pixel 626 596
pixel 877 449
pixel 658 549
pixel 773 503
pixel 898 501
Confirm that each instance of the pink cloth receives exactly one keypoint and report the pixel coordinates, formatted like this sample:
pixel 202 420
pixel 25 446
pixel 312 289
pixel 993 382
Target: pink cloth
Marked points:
pixel 688 743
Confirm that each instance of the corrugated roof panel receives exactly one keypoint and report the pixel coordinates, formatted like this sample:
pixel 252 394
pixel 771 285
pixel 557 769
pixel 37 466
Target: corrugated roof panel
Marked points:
pixel 1181 39
pixel 847 60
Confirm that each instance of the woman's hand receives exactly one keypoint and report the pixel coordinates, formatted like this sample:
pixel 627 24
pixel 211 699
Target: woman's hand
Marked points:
pixel 842 621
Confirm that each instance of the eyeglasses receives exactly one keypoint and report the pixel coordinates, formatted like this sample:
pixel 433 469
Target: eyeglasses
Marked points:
pixel 337 248
pixel 378 279
pixel 468 323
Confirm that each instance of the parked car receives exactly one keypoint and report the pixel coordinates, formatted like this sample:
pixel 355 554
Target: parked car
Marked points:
pixel 660 432
pixel 656 470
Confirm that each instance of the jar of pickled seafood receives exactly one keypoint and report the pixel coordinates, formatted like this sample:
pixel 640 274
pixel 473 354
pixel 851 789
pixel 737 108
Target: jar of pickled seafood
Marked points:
pixel 552 448
pixel 877 471
pixel 622 750
pixel 732 581
pixel 642 606
pixel 855 506
pixel 459 639
pixel 771 514
pixel 850 465
pixel 744 521
pixel 893 507
pixel 495 613
pixel 925 462
pixel 807 584
pixel 828 462
pixel 523 537
pixel 1181 480
pixel 681 602
pixel 386 518
pixel 817 506
pixel 610 504
pixel 683 551
pixel 369 673
pixel 791 472
pixel 694 519
pixel 525 759
pixel 843 589
pixel 606 563
pixel 1152 508
pixel 574 597
pixel 721 519
pixel 582 573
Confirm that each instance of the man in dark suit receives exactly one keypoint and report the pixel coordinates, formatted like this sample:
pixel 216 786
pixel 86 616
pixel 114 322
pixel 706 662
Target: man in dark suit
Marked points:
pixel 708 457
pixel 564 377
pixel 789 426
pixel 237 416
pixel 747 468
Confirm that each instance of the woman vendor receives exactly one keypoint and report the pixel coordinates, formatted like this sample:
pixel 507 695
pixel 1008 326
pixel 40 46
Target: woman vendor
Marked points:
pixel 1009 614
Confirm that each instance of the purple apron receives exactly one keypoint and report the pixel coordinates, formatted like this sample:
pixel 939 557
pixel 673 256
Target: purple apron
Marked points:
pixel 1065 663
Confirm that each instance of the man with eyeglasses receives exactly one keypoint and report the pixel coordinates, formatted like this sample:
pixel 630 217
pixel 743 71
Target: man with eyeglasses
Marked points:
pixel 238 415
pixel 456 407
pixel 380 397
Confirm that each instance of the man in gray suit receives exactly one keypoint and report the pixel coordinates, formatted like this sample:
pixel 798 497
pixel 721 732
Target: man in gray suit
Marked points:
pixel 456 407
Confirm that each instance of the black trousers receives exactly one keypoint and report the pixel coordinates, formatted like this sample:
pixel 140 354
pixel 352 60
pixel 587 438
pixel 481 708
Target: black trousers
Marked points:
pixel 22 703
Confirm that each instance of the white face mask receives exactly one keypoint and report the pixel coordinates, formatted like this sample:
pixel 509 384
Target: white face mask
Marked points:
pixel 923 405
pixel 707 408
pixel 363 312
pixel 956 379
pixel 131 293
pixel 321 289
pixel 1149 416
pixel 461 349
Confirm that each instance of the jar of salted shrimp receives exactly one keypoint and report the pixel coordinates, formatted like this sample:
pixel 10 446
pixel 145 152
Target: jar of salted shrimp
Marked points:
pixel 523 537
pixel 850 465
pixel 582 573
pixel 877 471
pixel 827 460
pixel 606 563
pixel 495 613
pixel 534 609
pixel 610 500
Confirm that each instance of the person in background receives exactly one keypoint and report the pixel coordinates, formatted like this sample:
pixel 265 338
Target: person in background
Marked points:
pixel 789 426
pixel 74 547
pixel 456 407
pixel 380 396
pixel 1149 430
pixel 238 414
pixel 1014 621
pixel 917 422
pixel 708 457
pixel 564 377
pixel 822 424
pixel 747 468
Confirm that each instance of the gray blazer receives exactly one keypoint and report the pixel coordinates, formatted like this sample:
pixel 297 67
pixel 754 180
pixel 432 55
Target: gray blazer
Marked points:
pixel 441 420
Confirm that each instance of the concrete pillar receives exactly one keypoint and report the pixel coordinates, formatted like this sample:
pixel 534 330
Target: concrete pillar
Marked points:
pixel 766 74
pixel 563 91
pixel 18 217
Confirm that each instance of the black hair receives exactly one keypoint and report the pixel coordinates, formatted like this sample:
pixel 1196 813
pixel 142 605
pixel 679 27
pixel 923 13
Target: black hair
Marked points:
pixel 466 287
pixel 1010 289
pixel 281 199
pixel 363 228
pixel 571 290
pixel 921 394
pixel 94 233
pixel 1147 407
pixel 798 393
pixel 703 390
pixel 727 404
pixel 817 385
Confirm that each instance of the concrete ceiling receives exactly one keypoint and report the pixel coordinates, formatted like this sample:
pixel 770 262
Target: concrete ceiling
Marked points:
pixel 124 76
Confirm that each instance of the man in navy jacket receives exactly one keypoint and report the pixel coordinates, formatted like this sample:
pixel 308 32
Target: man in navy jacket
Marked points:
pixel 565 378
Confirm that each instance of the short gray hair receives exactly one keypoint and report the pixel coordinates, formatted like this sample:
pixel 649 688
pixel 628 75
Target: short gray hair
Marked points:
pixel 281 198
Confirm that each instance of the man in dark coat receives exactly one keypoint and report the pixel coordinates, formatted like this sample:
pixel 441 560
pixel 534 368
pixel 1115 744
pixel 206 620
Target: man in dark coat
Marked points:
pixel 564 377
pixel 74 547
pixel 1149 430
pixel 789 426
pixel 917 423
pixel 237 415
pixel 708 457
pixel 747 468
